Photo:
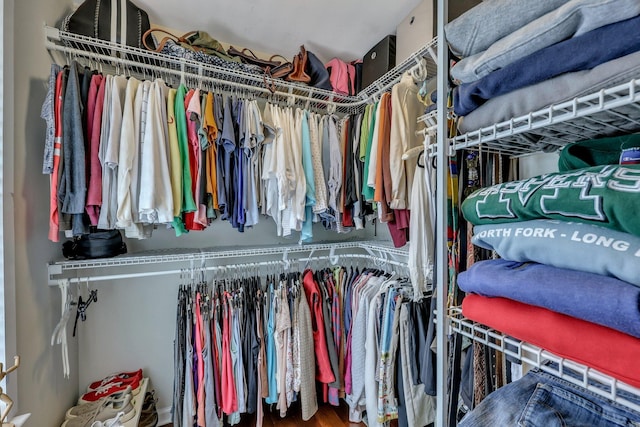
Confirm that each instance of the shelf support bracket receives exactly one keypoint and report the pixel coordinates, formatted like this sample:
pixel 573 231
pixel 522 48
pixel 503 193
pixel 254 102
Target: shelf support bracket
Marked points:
pixel 52 271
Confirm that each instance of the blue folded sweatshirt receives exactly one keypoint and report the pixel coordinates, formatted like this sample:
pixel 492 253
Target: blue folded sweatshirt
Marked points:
pixel 604 300
pixel 575 54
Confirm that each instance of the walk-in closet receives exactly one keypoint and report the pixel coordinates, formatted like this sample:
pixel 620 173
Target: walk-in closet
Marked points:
pixel 240 214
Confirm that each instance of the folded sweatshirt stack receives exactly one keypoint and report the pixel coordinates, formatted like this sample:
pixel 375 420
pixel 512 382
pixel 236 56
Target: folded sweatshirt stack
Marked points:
pixel 518 57
pixel 569 280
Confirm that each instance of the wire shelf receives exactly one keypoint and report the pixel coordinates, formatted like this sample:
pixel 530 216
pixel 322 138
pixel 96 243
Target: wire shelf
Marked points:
pixel 117 58
pixel 169 259
pixel 603 113
pixel 576 373
pixel 384 83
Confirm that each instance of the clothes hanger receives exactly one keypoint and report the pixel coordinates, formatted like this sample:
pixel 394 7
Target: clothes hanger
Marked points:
pixel 413 152
pixel 59 335
pixel 182 77
pixel 82 306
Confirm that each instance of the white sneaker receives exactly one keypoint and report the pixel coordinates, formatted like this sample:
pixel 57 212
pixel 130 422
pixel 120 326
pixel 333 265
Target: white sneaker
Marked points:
pixel 113 422
pixel 103 413
pixel 117 401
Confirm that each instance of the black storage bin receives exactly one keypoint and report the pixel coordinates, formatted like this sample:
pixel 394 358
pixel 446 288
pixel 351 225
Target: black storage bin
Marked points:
pixel 380 59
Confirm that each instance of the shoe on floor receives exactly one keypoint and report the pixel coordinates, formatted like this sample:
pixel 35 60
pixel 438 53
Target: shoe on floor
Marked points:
pixel 112 422
pixel 116 400
pixel 150 401
pixel 149 413
pixel 102 413
pixel 119 377
pixel 150 419
pixel 109 389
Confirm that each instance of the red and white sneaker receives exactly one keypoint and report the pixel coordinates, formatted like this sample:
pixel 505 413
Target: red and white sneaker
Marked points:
pixel 111 388
pixel 119 377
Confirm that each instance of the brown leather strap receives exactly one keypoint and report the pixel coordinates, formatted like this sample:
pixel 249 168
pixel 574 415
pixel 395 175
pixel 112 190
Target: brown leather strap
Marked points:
pixel 162 42
pixel 271 86
pixel 253 55
pixel 279 56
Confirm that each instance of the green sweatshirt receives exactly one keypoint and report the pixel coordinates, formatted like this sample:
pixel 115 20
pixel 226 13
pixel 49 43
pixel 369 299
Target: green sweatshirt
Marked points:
pixel 608 196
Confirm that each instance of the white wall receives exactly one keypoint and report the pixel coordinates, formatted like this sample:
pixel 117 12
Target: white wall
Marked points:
pixel 42 390
pixel 538 164
pixel 7 281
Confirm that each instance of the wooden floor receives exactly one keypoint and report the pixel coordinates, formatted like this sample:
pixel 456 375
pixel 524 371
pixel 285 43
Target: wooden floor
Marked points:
pixel 327 416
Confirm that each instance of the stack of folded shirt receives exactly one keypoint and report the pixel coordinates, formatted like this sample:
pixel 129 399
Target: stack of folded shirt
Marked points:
pixel 569 280
pixel 518 57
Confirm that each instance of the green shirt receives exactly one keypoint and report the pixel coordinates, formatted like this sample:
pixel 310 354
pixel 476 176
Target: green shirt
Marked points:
pixel 594 152
pixel 188 204
pixel 367 192
pixel 608 196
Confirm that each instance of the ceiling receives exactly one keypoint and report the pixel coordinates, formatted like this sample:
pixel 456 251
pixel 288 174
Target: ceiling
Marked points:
pixel 346 29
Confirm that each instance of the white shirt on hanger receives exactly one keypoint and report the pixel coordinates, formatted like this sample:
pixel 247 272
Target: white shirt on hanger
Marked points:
pixel 284 168
pixel 318 171
pixel 128 134
pixel 405 109
pixel 133 121
pixel 421 257
pixel 270 165
pixel 299 195
pixel 110 149
pixel 155 200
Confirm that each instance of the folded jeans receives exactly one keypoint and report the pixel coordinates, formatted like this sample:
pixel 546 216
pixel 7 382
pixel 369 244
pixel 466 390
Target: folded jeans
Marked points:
pixel 540 399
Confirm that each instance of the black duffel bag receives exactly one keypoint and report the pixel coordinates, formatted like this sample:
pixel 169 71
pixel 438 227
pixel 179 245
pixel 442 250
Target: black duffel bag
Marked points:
pixel 97 244
pixel 97 19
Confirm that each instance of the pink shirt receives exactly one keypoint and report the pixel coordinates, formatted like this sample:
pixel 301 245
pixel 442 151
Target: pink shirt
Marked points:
pixel 229 397
pixel 192 108
pixel 54 215
pixel 94 123
pixel 194 116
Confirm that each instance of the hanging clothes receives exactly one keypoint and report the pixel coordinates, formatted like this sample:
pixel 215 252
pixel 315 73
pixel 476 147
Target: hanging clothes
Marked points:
pixel 110 150
pixel 72 185
pixel 94 169
pixel 184 157
pixel 238 343
pixel 56 151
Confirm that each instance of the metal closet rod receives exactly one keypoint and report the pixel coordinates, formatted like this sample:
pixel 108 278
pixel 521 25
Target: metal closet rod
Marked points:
pixel 374 250
pixel 155 257
pixel 104 52
pixel 179 75
pixel 285 263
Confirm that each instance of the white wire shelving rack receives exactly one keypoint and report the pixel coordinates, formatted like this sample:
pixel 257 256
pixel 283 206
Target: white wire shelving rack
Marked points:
pixel 181 261
pixel 605 112
pixel 571 371
pixel 609 111
pixel 113 57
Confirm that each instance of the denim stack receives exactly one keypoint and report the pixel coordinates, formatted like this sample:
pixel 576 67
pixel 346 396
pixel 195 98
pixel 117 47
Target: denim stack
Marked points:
pixel 540 399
